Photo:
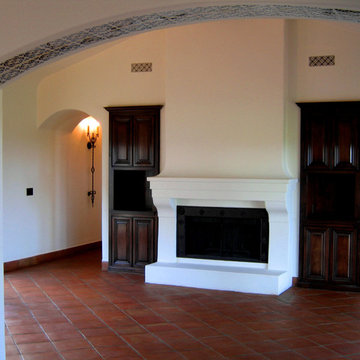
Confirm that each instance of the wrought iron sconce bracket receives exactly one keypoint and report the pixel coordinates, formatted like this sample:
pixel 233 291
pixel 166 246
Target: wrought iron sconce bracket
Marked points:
pixel 92 136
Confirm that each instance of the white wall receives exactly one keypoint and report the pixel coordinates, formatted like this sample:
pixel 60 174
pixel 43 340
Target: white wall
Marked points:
pixel 55 163
pixel 106 80
pixel 229 90
pixel 339 82
pixel 211 87
pixel 224 109
pixel 75 222
pixel 27 220
pixel 40 154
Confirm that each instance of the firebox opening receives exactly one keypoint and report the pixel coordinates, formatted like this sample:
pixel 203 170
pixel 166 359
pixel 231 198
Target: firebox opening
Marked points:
pixel 237 234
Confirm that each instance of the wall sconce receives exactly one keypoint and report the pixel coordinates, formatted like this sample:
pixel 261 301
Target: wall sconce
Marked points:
pixel 92 132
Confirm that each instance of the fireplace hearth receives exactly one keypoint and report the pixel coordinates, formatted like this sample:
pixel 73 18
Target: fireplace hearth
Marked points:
pixel 217 233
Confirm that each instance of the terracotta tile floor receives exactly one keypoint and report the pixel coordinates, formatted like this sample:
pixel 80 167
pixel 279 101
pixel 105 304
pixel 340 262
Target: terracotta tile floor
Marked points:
pixel 70 309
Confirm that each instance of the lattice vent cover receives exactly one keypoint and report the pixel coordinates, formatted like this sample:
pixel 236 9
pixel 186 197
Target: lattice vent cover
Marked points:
pixel 141 67
pixel 327 60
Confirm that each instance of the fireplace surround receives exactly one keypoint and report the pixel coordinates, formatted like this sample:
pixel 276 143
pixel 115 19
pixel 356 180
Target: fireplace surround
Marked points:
pixel 277 196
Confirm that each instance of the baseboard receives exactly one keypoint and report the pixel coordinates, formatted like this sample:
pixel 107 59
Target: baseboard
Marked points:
pixel 105 266
pixel 38 259
pixel 295 281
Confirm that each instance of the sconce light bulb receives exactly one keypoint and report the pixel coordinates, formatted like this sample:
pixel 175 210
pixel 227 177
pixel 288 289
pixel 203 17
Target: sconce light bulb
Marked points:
pixel 92 128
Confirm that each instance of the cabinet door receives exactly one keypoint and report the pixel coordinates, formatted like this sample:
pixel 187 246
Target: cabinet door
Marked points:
pixel 345 143
pixel 342 261
pixel 121 140
pixel 316 142
pixel 121 242
pixel 144 140
pixel 143 251
pixel 316 243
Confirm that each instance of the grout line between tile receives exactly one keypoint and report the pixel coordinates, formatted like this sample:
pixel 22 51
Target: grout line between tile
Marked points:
pixel 34 317
pixel 12 338
pixel 103 286
pixel 99 318
pixel 66 317
pixel 167 321
pixel 129 317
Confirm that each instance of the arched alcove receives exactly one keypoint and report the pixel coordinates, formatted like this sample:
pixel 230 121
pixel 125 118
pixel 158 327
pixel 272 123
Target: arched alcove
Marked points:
pixel 59 215
pixel 75 221
pixel 65 120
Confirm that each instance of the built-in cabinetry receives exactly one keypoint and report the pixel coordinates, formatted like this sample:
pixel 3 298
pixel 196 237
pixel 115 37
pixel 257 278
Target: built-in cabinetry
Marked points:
pixel 330 195
pixel 134 155
pixel 132 241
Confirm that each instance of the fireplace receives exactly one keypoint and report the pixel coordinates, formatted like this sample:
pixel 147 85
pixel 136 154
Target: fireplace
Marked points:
pixel 277 198
pixel 236 234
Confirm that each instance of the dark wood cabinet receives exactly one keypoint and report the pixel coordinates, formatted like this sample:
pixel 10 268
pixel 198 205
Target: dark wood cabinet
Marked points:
pixel 330 255
pixel 121 244
pixel 343 255
pixel 345 143
pixel 143 241
pixel 134 137
pixel 330 136
pixel 134 155
pixel 144 142
pixel 316 249
pixel 330 195
pixel 133 242
pixel 121 141
pixel 315 136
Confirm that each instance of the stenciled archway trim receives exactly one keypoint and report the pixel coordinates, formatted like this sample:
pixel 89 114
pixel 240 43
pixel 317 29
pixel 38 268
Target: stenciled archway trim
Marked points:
pixel 23 62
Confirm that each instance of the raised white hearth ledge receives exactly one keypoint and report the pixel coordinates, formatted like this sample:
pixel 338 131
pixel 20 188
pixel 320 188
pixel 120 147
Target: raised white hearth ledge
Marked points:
pixel 277 196
pixel 218 277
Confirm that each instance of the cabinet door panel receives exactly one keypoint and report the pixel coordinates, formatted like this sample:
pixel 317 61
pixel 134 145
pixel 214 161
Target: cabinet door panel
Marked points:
pixel 345 143
pixel 144 141
pixel 143 241
pixel 121 141
pixel 121 241
pixel 315 256
pixel 315 137
pixel 342 261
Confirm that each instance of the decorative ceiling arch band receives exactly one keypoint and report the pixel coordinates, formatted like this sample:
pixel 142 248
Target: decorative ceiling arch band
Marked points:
pixel 25 61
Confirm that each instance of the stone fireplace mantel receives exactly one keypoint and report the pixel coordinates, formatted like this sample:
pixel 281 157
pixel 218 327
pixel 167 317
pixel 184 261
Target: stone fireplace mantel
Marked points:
pixel 277 196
